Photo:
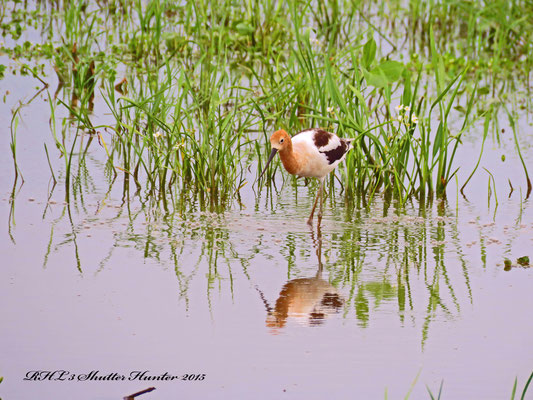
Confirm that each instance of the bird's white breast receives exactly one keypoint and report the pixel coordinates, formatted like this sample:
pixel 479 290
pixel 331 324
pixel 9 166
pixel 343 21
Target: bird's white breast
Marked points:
pixel 313 162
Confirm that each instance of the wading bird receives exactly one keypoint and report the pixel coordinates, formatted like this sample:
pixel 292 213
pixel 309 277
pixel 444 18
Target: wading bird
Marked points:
pixel 307 300
pixel 312 153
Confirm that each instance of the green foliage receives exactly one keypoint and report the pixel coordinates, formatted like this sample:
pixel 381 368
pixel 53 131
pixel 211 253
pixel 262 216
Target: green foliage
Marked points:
pixel 369 53
pixel 523 260
pixel 194 89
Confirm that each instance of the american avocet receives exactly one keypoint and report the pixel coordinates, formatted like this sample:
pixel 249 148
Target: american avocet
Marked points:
pixel 308 300
pixel 312 153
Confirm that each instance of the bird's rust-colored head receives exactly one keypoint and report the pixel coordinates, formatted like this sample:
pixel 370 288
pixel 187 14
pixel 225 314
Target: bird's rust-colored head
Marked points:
pixel 280 141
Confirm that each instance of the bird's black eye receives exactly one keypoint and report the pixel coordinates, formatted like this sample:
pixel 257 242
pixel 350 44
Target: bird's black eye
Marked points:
pixel 281 140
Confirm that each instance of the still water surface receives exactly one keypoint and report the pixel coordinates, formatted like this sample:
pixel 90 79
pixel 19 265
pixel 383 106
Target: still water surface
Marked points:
pixel 254 298
pixel 260 302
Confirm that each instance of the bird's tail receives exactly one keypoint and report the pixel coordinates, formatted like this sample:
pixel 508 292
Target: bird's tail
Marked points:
pixel 349 141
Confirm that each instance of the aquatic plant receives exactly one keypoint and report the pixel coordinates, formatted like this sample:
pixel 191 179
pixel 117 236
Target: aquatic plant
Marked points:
pixel 192 91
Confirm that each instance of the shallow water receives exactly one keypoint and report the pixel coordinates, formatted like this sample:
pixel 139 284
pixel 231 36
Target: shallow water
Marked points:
pixel 254 298
pixel 260 302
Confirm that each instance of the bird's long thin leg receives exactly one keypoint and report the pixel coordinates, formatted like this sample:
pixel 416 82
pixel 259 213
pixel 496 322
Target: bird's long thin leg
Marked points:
pixel 310 220
pixel 321 200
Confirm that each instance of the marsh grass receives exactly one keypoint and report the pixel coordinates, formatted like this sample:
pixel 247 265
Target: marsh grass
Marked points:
pixel 439 394
pixel 189 95
pixel 524 391
pixel 202 85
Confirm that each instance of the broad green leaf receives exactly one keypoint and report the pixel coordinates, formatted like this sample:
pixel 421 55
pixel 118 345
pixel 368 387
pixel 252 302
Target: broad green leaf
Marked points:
pixel 376 78
pixel 369 53
pixel 392 70
pixel 385 73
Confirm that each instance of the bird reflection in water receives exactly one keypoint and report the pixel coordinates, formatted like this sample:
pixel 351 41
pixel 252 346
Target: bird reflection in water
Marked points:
pixel 307 300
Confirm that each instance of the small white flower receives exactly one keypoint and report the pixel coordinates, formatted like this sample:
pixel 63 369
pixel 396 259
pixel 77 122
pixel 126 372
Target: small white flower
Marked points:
pixel 406 108
pixel 157 134
pixel 399 107
pixel 414 119
pixel 330 110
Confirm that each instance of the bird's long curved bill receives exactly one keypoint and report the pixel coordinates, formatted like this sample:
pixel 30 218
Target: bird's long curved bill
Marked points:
pixel 272 154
